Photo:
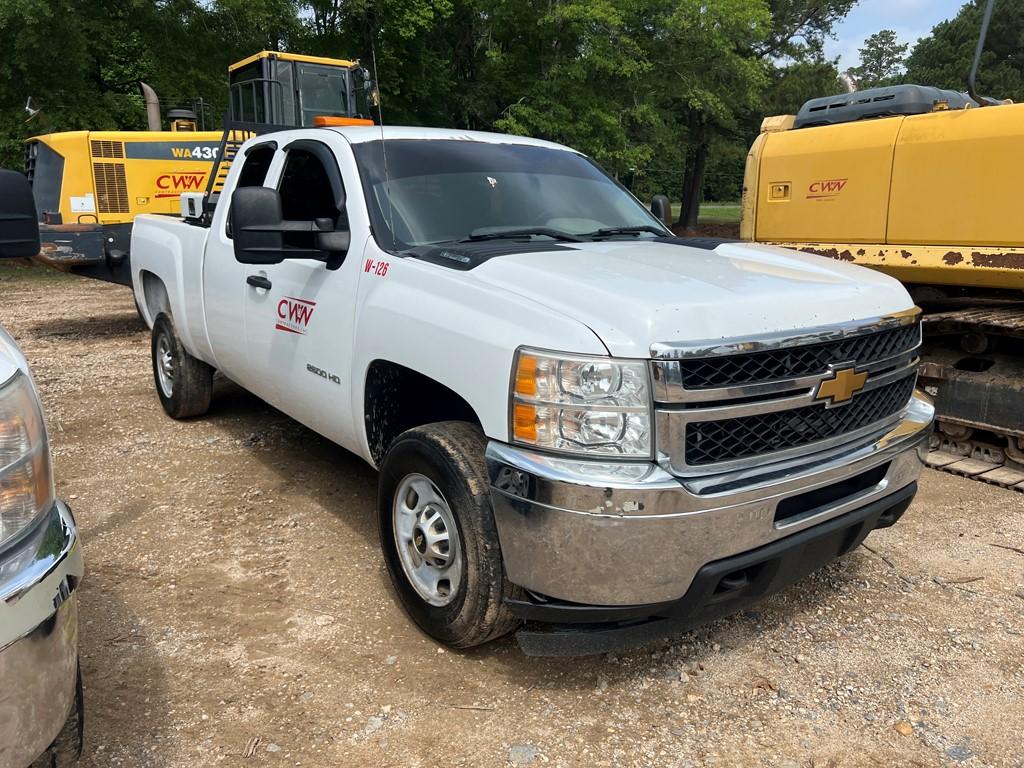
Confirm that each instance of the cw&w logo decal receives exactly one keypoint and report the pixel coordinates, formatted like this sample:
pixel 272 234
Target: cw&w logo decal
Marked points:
pixel 293 315
pixel 825 189
pixel 173 184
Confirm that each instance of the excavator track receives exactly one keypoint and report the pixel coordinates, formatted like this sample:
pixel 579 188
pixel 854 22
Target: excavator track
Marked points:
pixel 973 364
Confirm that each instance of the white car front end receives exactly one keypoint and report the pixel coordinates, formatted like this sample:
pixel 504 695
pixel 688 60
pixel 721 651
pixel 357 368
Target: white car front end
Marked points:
pixel 40 569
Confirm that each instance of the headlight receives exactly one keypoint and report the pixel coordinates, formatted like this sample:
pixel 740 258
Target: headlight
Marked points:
pixel 26 486
pixel 576 404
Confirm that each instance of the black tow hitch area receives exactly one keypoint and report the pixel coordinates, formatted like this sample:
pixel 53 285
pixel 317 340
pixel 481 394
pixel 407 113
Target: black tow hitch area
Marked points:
pixel 720 588
pixel 737 581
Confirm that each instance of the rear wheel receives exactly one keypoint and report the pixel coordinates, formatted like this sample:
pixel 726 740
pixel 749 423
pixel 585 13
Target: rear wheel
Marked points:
pixel 183 383
pixel 438 535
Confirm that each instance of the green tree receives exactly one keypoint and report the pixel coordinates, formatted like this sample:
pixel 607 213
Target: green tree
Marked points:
pixel 881 60
pixel 81 61
pixel 944 57
pixel 790 86
pixel 791 37
pixel 581 76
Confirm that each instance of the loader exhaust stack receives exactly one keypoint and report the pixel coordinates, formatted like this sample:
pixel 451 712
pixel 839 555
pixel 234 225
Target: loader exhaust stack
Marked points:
pixel 152 107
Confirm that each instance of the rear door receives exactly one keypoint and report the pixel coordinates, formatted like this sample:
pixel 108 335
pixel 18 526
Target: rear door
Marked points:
pixel 224 279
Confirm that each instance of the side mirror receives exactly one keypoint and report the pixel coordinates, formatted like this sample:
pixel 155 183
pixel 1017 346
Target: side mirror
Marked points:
pixel 333 242
pixel 662 208
pixel 19 227
pixel 256 225
pixel 259 232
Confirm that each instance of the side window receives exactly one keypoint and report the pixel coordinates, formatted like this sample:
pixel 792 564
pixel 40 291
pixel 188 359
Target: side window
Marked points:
pixel 254 172
pixel 306 195
pixel 257 163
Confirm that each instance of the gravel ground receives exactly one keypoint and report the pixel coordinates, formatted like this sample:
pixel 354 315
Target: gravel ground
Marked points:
pixel 236 610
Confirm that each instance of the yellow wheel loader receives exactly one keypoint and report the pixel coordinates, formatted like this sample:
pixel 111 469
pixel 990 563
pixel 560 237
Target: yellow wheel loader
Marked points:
pixel 922 184
pixel 90 185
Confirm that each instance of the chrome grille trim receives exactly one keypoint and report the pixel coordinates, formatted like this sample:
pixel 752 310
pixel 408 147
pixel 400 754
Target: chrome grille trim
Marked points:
pixel 791 400
pixel 668 387
pixel 714 347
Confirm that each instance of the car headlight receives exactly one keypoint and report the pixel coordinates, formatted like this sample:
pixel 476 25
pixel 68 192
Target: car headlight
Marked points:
pixel 578 404
pixel 26 485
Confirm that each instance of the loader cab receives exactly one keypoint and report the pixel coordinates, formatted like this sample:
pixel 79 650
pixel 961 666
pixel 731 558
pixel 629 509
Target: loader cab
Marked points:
pixel 286 89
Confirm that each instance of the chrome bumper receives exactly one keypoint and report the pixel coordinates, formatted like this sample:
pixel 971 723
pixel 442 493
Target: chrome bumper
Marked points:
pixel 38 636
pixel 632 534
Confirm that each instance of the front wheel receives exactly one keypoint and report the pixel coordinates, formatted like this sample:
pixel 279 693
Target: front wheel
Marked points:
pixel 438 535
pixel 183 383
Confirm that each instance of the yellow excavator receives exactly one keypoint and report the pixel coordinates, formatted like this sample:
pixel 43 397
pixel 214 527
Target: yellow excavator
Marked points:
pixel 922 184
pixel 90 185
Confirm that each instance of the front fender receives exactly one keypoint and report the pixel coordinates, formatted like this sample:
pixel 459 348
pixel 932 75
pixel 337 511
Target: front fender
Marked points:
pixel 456 330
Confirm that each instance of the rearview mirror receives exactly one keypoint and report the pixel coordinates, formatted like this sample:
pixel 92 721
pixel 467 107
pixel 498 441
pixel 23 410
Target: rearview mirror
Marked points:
pixel 262 236
pixel 662 208
pixel 19 228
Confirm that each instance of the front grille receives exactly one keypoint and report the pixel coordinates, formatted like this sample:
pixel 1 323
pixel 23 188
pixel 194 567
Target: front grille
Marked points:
pixel 111 187
pixel 790 363
pixel 710 442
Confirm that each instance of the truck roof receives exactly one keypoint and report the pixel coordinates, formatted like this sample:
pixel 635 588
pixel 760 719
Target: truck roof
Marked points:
pixel 358 134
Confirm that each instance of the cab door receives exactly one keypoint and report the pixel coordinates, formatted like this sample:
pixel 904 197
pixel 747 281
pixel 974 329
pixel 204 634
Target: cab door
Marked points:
pixel 299 318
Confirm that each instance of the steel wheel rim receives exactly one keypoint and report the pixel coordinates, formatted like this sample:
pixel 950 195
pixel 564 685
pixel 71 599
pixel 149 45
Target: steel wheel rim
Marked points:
pixel 165 365
pixel 427 540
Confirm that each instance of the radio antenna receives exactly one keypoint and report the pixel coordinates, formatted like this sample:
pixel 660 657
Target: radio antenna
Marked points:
pixel 383 145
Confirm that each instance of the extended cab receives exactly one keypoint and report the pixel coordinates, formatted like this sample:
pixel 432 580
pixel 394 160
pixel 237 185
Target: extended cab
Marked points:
pixel 580 421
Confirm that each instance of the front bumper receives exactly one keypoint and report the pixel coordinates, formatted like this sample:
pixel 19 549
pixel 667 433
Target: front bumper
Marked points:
pixel 39 574
pixel 635 537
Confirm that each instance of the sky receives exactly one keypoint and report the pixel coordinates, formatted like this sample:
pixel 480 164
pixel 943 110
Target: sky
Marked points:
pixel 911 19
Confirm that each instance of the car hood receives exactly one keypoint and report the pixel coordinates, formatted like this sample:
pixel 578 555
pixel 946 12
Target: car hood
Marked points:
pixel 11 358
pixel 635 294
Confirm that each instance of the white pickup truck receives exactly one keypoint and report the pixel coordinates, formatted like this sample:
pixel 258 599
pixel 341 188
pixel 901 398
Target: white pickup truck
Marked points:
pixel 584 427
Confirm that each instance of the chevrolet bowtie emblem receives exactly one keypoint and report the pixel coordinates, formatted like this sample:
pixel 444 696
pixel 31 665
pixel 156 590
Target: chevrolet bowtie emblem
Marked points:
pixel 841 386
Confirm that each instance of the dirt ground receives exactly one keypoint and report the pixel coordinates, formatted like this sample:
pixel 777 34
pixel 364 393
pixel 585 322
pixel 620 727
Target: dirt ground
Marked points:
pixel 236 610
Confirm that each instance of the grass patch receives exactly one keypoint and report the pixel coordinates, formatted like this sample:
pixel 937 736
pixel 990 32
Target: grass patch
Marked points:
pixel 25 270
pixel 714 213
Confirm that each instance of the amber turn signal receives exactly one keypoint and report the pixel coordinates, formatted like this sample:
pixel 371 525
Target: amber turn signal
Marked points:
pixel 526 376
pixel 525 422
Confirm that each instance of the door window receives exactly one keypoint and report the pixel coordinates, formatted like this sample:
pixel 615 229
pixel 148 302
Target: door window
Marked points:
pixel 254 172
pixel 257 163
pixel 307 195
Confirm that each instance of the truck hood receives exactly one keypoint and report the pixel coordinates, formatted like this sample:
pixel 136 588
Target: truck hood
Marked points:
pixel 11 358
pixel 634 294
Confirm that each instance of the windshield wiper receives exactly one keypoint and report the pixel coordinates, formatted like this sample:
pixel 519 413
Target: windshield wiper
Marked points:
pixel 555 234
pixel 634 230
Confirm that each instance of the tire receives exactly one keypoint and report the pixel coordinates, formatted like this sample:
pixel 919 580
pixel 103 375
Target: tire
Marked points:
pixel 449 456
pixel 184 383
pixel 67 747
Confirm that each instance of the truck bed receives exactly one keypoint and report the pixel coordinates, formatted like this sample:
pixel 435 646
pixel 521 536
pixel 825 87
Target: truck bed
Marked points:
pixel 171 249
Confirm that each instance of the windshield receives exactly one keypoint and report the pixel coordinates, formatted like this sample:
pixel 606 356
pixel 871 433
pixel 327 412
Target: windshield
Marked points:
pixel 322 91
pixel 449 190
